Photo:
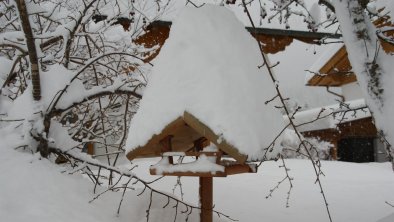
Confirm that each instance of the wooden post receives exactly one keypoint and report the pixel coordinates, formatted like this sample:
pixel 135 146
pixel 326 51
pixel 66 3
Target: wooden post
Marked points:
pixel 206 187
pixel 206 199
pixel 167 147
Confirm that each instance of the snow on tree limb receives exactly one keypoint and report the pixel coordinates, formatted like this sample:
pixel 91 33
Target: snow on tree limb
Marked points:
pixel 372 66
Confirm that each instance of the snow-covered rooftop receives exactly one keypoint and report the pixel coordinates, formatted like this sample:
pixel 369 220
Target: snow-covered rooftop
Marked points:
pixel 330 116
pixel 256 9
pixel 209 68
pixel 322 60
pixel 169 10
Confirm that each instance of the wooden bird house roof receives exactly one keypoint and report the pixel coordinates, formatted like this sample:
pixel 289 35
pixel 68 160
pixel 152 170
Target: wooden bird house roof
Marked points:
pixel 185 131
pixel 201 75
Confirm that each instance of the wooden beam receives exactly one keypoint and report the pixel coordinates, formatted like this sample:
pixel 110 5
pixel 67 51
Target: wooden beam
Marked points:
pixel 229 170
pixel 192 153
pixel 273 32
pixel 152 148
pixel 339 56
pixel 240 168
pixel 205 131
pixel 200 143
pixel 337 71
pixel 206 199
pixel 333 80
pixel 275 40
pixel 189 173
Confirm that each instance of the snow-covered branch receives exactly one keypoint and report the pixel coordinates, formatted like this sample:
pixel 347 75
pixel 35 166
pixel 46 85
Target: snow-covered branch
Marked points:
pixel 370 63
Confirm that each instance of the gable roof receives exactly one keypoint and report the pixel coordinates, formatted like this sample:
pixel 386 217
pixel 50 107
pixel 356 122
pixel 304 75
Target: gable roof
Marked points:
pixel 334 68
pixel 184 131
pixel 215 78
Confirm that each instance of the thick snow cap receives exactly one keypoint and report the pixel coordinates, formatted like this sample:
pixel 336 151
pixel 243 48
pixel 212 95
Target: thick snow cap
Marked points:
pixel 209 67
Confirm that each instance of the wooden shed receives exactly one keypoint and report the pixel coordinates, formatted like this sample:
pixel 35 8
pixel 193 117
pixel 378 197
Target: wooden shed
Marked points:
pixel 354 139
pixel 352 133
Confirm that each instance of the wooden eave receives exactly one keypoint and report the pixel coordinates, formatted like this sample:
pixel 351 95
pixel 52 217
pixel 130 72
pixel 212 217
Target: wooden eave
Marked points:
pixel 268 31
pixel 385 21
pixel 185 131
pixel 335 72
pixel 273 40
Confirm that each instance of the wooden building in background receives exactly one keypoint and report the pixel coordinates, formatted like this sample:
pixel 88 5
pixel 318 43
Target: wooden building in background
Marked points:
pixel 273 40
pixel 353 134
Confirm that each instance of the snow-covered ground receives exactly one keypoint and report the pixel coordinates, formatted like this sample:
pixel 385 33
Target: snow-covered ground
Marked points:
pixel 34 189
pixel 37 190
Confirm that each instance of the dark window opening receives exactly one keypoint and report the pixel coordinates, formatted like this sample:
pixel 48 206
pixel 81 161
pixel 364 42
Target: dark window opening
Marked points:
pixel 359 150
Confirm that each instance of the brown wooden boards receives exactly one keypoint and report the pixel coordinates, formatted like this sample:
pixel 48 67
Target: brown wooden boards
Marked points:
pixel 205 131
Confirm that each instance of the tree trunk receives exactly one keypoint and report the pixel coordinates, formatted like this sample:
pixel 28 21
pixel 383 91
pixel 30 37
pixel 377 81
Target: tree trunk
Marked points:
pixel 368 63
pixel 35 74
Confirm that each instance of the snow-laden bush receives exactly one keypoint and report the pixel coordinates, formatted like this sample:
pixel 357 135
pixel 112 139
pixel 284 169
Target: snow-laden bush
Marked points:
pixel 317 148
pixel 72 64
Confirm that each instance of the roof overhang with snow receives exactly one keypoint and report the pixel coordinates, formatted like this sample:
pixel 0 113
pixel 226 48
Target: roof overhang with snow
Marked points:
pixel 329 117
pixel 273 40
pixel 334 72
pixel 334 68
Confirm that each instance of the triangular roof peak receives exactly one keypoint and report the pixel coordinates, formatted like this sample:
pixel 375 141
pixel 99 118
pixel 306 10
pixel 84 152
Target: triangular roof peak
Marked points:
pixel 334 69
pixel 185 132
pixel 209 67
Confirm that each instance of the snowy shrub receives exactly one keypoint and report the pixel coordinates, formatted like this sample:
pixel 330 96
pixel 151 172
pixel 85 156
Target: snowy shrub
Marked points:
pixel 72 64
pixel 317 148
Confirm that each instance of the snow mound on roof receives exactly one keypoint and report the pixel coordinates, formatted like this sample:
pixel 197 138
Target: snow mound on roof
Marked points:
pixel 256 9
pixel 329 117
pixel 209 68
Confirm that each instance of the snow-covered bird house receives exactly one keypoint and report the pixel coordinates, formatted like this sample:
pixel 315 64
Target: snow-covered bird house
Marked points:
pixel 206 97
pixel 188 136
